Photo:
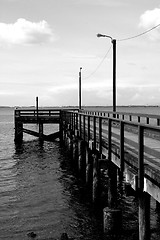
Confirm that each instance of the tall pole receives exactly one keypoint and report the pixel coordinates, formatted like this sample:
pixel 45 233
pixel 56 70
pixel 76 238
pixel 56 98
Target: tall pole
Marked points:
pixel 37 107
pixel 114 68
pixel 114 74
pixel 80 92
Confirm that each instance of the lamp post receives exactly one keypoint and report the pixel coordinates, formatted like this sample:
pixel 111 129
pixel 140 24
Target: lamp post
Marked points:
pixel 37 107
pixel 80 92
pixel 114 68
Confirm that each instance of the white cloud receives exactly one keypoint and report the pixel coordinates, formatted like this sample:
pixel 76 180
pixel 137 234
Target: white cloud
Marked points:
pixel 5 93
pixel 63 88
pixel 108 3
pixel 25 32
pixel 90 86
pixel 149 19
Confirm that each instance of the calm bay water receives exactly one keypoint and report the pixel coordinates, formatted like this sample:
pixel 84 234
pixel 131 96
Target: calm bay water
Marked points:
pixel 39 192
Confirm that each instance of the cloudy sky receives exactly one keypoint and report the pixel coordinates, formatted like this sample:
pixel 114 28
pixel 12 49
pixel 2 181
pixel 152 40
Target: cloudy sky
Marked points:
pixel 43 44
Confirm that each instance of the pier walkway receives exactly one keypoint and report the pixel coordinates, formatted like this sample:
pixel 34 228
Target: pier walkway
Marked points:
pixel 131 142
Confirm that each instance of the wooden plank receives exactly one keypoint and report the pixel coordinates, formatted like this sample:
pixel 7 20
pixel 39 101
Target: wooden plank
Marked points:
pixel 31 132
pixel 131 177
pixel 152 189
pixel 52 137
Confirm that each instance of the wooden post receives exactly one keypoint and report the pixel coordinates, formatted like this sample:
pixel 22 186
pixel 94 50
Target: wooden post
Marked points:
pixel 40 131
pixel 75 152
pixel 80 94
pixel 94 131
pixel 103 182
pixel 109 139
pixel 37 107
pixel 95 192
pixel 144 216
pixel 18 131
pixel 157 207
pixel 144 198
pixel 112 185
pixel 114 75
pixel 84 128
pixel 88 128
pixel 88 155
pixel 100 135
pixel 112 222
pixel 80 127
pixel 81 157
pixel 89 163
pixel 61 127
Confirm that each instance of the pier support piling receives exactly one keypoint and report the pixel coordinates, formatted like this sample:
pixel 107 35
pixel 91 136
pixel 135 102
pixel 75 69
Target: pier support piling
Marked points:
pixel 112 221
pixel 144 216
pixel 75 152
pixel 112 185
pixel 95 185
pixel 81 157
pixel 88 177
pixel 18 131
pixel 40 131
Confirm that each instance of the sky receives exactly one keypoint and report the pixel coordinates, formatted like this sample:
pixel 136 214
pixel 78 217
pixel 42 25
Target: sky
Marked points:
pixel 43 44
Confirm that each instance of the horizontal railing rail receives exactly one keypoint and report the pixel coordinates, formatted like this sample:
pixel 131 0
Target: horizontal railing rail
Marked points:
pixel 152 119
pixel 41 112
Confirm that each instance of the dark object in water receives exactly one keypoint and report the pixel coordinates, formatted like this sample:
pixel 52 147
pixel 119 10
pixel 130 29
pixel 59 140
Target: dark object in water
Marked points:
pixel 32 235
pixel 64 236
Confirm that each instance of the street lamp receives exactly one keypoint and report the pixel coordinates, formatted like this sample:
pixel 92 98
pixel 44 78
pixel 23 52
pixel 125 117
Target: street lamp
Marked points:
pixel 80 94
pixel 114 68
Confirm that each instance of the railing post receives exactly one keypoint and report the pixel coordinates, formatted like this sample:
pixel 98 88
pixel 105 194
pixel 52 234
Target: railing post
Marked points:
pixel 76 121
pixel 37 107
pixel 84 134
pixel 94 131
pixel 71 114
pixel 70 118
pixel 121 147
pixel 144 198
pixel 73 122
pixel 109 139
pixel 80 131
pixel 100 135
pixel 140 158
pixel 88 128
pixel 61 125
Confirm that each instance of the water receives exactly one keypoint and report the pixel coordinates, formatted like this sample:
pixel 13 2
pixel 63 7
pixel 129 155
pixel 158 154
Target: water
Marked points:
pixel 155 110
pixel 39 192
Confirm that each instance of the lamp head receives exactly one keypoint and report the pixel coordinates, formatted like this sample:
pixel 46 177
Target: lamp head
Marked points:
pixel 100 35
pixel 103 35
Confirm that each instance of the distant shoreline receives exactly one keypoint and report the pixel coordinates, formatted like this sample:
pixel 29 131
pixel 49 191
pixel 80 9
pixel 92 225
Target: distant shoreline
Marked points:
pixel 94 106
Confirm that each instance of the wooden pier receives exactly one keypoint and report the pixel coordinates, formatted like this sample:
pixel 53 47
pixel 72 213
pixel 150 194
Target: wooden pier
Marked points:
pixel 36 116
pixel 125 145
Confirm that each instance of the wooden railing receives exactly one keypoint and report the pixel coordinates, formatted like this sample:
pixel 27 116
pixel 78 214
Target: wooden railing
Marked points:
pixel 45 112
pixel 127 116
pixel 125 136
pixel 33 112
